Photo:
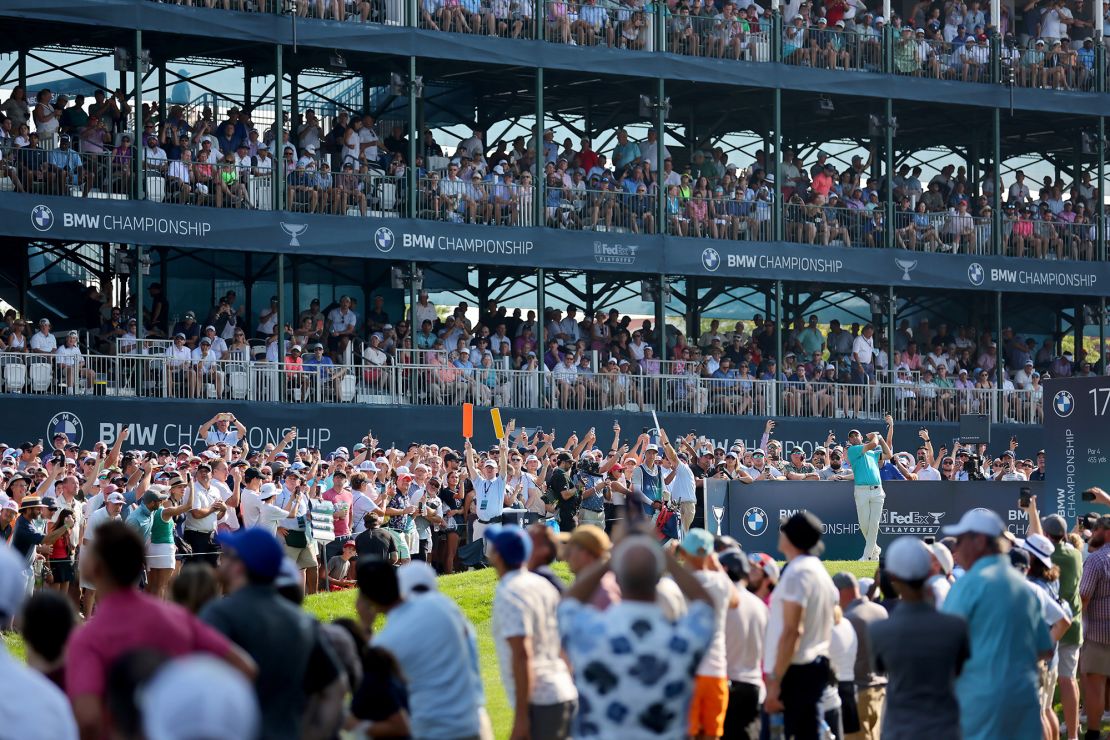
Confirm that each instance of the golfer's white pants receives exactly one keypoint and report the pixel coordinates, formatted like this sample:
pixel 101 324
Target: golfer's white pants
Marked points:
pixel 869 509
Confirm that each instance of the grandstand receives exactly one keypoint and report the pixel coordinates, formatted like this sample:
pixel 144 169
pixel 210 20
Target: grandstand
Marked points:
pixel 928 178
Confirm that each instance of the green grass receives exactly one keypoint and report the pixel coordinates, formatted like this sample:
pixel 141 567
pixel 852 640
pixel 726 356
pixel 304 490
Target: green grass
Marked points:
pixel 473 592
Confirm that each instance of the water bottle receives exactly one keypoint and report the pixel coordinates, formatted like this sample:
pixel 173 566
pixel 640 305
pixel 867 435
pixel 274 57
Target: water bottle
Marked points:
pixel 824 732
pixel 777 727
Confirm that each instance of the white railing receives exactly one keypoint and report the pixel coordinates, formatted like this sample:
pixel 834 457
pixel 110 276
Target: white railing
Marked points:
pixel 153 374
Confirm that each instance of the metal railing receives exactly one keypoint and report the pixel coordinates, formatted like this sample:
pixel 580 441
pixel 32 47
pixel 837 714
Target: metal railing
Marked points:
pixel 742 35
pixel 823 47
pixel 156 373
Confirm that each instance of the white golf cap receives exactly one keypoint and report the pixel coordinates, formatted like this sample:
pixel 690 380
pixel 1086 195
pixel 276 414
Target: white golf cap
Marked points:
pixel 268 490
pixel 908 559
pixel 176 704
pixel 116 498
pixel 367 466
pixel 944 557
pixel 413 575
pixel 1039 547
pixel 977 521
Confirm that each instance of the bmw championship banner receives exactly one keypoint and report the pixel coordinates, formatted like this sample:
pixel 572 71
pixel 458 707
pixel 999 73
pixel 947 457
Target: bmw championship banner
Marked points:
pixel 1076 440
pixel 751 512
pixel 146 222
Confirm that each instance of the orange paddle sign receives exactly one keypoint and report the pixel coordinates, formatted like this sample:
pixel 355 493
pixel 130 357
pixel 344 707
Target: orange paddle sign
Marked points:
pixel 468 420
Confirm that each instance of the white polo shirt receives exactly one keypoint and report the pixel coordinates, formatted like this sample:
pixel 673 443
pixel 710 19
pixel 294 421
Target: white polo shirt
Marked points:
pixel 682 488
pixel 43 342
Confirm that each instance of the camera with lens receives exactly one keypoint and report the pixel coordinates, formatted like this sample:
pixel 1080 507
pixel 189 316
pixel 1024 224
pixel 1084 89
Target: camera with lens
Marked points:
pixel 589 467
pixel 974 467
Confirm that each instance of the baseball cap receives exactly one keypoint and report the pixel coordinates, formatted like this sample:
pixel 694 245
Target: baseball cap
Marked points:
pixel 943 556
pixel 591 538
pixel 908 559
pixel 155 493
pixel 1054 525
pixel 698 542
pixel 259 550
pixel 416 577
pixel 113 498
pixel 1039 547
pixel 977 521
pixel 845 580
pixel 176 702
pixel 368 466
pixel 803 530
pixel 735 563
pixel 511 543
pixel 767 564
pixel 268 490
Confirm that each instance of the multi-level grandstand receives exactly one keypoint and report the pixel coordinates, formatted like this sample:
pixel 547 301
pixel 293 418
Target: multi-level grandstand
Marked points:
pixel 926 181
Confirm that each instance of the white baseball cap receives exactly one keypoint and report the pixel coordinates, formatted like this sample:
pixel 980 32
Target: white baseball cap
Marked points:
pixel 268 490
pixel 367 466
pixel 908 559
pixel 177 704
pixel 977 521
pixel 944 557
pixel 1039 547
pixel 116 498
pixel 413 575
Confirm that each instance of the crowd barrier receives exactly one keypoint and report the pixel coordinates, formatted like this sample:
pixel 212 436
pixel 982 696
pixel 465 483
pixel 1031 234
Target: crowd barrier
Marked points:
pixel 246 375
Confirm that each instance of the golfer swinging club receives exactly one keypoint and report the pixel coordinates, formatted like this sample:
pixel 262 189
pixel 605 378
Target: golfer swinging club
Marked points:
pixel 864 458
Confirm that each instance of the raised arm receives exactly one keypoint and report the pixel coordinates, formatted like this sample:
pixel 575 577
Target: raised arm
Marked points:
pixel 889 433
pixel 113 454
pixel 285 442
pixel 929 459
pixel 468 454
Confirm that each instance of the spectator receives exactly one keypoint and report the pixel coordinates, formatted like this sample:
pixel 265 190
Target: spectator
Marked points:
pixel 435 647
pixel 797 662
pixel 294 661
pixel 921 651
pixel 526 636
pixel 624 678
pixel 869 693
pixel 43 713
pixel 127 620
pixel 997 692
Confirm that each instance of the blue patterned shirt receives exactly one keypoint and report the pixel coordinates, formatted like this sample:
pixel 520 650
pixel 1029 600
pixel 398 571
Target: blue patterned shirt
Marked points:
pixel 634 669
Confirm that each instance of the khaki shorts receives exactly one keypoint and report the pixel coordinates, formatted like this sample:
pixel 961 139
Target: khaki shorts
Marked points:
pixel 303 557
pixel 1094 657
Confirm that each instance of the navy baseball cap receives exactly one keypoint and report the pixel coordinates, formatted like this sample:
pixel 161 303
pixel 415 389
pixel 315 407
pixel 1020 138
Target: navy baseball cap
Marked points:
pixel 512 543
pixel 259 550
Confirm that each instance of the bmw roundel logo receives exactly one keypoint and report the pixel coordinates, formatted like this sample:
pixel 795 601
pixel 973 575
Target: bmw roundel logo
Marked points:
pixel 1063 403
pixel 66 423
pixel 42 218
pixel 383 239
pixel 710 259
pixel 976 273
pixel 755 521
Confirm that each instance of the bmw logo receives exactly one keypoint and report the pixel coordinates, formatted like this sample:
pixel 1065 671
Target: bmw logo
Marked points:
pixel 1063 403
pixel 383 239
pixel 755 521
pixel 976 273
pixel 42 218
pixel 66 423
pixel 710 259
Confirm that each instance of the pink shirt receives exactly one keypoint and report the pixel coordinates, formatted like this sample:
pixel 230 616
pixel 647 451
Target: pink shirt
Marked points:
pixel 130 620
pixel 342 502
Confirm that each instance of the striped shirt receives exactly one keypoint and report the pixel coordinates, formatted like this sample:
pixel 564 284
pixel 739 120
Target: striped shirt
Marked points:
pixel 1094 588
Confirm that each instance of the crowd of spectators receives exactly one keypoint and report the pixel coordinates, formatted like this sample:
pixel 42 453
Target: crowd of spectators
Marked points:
pixel 1047 44
pixel 446 355
pixel 212 548
pixel 345 166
